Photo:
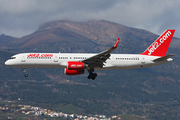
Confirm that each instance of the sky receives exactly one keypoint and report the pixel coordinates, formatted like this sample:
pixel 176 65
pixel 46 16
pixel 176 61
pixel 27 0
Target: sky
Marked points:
pixel 19 18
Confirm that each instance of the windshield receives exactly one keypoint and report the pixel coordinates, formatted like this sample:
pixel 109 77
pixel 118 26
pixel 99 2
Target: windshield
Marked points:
pixel 13 57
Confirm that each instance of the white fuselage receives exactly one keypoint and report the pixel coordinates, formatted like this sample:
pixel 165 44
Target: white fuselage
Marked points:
pixel 76 63
pixel 59 60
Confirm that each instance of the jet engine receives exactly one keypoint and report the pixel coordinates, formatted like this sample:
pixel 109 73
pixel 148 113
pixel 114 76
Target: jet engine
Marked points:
pixel 73 72
pixel 75 65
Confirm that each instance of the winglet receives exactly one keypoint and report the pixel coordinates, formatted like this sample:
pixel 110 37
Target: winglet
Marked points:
pixel 116 44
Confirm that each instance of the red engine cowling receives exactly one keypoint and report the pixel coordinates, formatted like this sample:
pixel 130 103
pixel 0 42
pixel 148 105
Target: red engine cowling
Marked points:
pixel 74 65
pixel 73 72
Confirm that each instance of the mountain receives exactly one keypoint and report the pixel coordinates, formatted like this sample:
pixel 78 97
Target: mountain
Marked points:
pixel 4 39
pixel 98 35
pixel 150 92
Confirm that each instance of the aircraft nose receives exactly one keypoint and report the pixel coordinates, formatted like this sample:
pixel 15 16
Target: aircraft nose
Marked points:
pixel 8 63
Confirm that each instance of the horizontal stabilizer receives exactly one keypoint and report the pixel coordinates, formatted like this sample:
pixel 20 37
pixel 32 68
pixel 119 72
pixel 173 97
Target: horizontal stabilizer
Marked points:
pixel 163 58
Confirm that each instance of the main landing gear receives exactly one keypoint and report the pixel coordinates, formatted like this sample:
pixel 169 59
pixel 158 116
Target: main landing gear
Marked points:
pixel 25 71
pixel 92 76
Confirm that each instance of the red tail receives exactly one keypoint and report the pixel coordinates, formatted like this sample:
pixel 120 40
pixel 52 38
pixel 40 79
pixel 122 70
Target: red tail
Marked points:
pixel 160 45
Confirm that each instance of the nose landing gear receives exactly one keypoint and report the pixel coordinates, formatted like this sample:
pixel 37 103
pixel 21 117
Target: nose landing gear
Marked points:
pixel 25 71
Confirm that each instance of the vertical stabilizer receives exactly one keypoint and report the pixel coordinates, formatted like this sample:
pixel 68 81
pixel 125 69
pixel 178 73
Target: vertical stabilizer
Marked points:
pixel 160 46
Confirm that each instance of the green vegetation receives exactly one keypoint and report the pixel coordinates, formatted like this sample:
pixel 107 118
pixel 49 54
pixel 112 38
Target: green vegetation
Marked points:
pixel 151 92
pixel 130 117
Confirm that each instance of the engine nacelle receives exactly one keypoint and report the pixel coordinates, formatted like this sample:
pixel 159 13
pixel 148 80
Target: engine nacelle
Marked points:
pixel 74 65
pixel 73 72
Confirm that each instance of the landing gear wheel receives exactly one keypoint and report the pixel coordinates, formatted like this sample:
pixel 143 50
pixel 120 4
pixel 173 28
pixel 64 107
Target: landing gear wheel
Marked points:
pixel 25 71
pixel 95 75
pixel 92 76
pixel 26 75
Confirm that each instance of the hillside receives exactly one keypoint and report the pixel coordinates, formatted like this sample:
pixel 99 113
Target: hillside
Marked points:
pixel 53 36
pixel 151 92
pixel 4 39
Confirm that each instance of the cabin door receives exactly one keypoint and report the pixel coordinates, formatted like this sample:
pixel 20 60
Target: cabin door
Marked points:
pixel 56 59
pixel 143 60
pixel 23 59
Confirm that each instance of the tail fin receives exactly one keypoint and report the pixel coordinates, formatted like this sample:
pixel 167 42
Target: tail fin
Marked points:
pixel 160 45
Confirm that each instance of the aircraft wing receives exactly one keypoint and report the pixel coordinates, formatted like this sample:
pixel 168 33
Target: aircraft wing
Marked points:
pixel 99 59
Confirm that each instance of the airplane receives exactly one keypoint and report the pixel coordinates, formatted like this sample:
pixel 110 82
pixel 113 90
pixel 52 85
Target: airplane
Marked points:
pixel 77 63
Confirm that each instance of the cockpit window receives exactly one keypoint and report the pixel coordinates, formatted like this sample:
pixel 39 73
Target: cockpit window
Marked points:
pixel 13 57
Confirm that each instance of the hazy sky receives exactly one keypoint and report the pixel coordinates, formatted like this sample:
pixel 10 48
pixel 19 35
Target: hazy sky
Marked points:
pixel 22 17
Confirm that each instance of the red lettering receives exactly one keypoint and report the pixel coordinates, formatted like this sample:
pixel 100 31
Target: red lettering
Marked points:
pixel 159 42
pixel 40 55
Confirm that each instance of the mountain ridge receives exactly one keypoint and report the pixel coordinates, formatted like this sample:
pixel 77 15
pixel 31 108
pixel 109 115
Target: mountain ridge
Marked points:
pixel 99 35
pixel 4 39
